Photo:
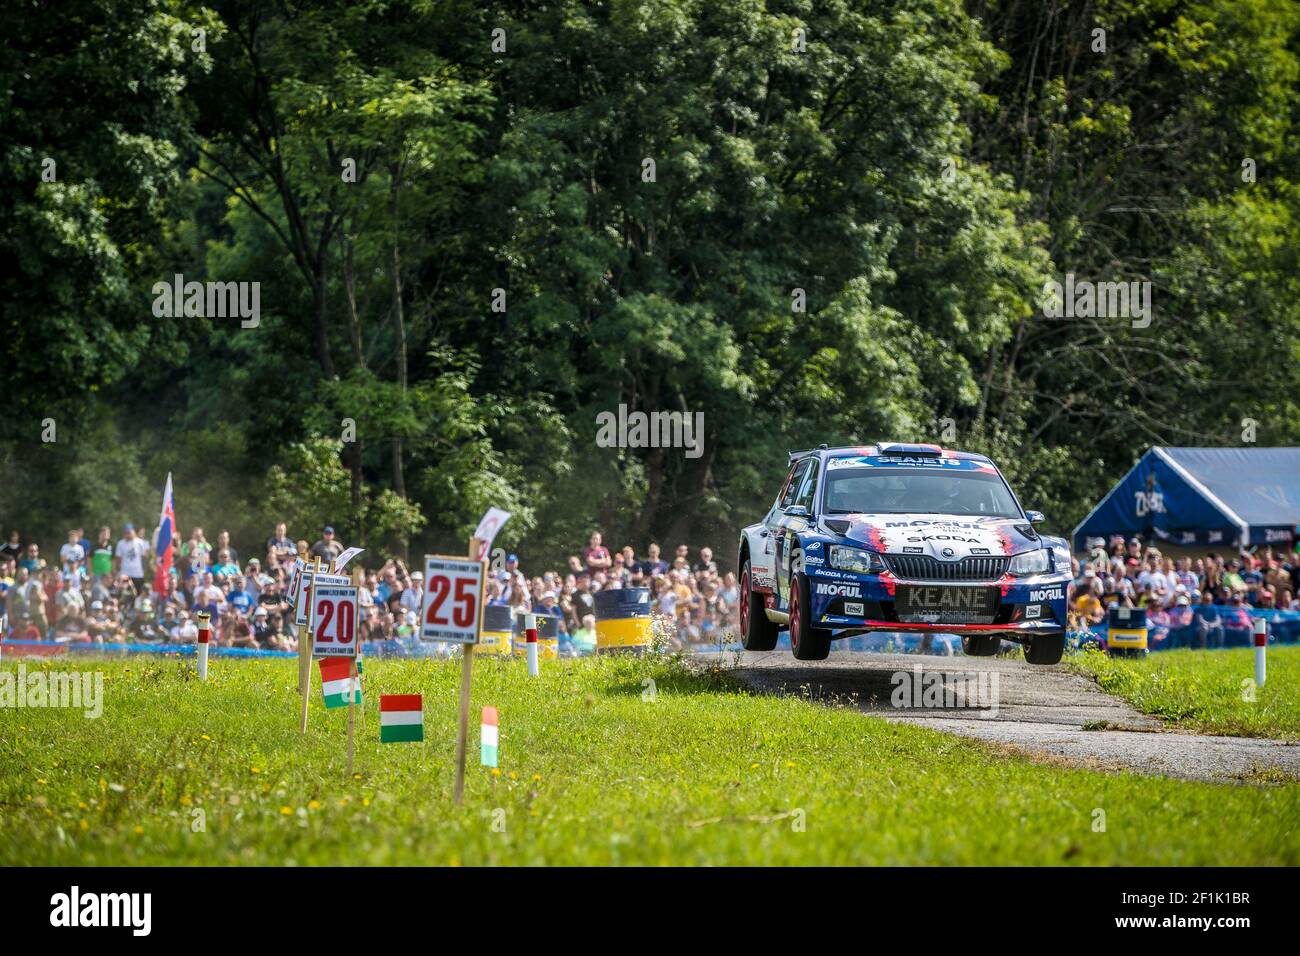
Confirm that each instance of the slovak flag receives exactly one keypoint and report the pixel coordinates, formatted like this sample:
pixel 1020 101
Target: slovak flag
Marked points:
pixel 164 543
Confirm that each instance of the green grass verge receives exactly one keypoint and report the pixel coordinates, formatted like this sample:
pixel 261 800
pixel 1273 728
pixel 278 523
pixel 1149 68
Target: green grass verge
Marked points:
pixel 591 773
pixel 1208 691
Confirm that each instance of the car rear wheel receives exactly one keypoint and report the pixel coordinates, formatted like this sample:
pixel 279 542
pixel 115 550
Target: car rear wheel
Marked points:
pixel 757 633
pixel 808 643
pixel 981 645
pixel 1045 649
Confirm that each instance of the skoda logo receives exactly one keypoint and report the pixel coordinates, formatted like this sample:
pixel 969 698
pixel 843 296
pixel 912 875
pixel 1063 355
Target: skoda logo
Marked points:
pixel 947 552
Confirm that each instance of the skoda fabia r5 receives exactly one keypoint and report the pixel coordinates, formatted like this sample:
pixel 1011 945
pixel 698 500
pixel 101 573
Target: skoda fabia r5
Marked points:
pixel 897 537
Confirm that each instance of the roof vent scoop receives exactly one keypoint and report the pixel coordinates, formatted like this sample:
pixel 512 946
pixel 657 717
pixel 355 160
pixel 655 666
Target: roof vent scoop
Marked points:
pixel 916 451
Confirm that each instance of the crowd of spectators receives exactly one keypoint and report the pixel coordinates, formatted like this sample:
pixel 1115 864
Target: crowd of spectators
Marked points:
pixel 106 592
pixel 691 600
pixel 1206 594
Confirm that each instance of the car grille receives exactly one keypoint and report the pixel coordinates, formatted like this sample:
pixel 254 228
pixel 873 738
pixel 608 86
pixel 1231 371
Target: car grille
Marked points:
pixel 922 567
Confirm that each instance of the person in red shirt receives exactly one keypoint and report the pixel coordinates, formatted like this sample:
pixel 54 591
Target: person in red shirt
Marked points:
pixel 596 554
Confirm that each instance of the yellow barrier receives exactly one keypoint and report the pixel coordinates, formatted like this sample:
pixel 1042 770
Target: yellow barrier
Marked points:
pixel 1128 638
pixel 494 642
pixel 628 632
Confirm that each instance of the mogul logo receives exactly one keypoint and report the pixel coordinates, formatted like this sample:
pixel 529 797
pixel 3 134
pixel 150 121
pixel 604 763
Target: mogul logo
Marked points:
pixel 840 590
pixel 42 688
pixel 653 430
pixel 946 690
pixel 1084 299
pixel 1047 594
pixel 213 300
pixel 134 910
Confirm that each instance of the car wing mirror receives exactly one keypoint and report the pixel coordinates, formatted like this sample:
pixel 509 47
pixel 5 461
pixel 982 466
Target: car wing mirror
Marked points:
pixel 1035 516
pixel 797 511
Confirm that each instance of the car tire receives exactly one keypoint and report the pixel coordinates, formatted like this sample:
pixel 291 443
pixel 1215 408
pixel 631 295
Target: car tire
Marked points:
pixel 981 645
pixel 1045 649
pixel 757 633
pixel 807 642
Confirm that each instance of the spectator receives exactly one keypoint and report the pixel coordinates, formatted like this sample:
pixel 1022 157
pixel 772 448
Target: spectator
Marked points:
pixel 226 567
pixel 652 565
pixel 197 553
pixel 32 560
pixel 13 548
pixel 327 548
pixel 280 548
pixel 187 631
pixel 584 636
pixel 596 555
pixel 130 553
pixel 72 551
pixel 101 556
pixel 413 596
pixel 224 545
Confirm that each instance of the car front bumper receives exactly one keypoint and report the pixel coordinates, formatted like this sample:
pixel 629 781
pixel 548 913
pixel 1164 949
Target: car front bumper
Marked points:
pixel 844 600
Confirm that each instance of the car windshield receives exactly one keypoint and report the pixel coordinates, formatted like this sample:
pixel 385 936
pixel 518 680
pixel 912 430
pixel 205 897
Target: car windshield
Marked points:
pixel 906 491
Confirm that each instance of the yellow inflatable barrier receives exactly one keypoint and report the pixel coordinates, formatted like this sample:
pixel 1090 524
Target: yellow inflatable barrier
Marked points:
pixel 623 623
pixel 496 630
pixel 1127 630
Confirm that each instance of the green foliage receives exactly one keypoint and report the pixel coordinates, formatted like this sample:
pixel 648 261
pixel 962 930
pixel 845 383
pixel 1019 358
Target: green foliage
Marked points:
pixel 917 170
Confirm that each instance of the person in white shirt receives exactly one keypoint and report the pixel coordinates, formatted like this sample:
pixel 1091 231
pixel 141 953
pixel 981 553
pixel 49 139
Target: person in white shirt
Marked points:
pixel 130 554
pixel 414 595
pixel 72 551
pixel 187 632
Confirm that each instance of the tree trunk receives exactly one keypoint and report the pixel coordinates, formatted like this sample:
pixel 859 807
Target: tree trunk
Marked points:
pixel 399 333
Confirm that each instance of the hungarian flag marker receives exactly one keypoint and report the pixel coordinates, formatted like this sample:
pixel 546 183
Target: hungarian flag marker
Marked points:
pixel 488 738
pixel 335 678
pixel 401 718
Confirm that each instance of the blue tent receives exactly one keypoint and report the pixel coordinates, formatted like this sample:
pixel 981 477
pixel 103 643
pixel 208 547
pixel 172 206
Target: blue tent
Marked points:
pixel 1236 497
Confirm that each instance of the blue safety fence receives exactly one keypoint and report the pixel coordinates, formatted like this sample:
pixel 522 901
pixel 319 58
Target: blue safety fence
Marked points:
pixel 60 648
pixel 1236 630
pixel 1284 628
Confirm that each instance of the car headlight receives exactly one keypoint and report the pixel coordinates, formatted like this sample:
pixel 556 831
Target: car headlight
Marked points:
pixel 856 559
pixel 1031 562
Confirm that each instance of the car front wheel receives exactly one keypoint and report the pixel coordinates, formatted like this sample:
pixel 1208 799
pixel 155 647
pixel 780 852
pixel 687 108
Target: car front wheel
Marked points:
pixel 807 642
pixel 981 645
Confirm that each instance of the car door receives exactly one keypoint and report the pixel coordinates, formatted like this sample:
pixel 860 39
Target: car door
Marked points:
pixel 799 492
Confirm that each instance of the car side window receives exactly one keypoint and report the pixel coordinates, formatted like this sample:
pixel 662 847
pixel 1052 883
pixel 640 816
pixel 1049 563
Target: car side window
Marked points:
pixel 796 481
pixel 807 487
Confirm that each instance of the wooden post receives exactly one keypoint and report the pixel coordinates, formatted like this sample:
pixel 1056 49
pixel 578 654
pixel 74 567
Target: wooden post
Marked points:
pixel 305 644
pixel 466 677
pixel 358 579
pixel 352 709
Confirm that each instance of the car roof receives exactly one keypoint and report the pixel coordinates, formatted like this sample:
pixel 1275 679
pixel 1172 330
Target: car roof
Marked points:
pixel 887 448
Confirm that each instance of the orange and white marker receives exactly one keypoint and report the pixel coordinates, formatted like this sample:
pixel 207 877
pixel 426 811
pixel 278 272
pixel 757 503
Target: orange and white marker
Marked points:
pixel 205 636
pixel 530 635
pixel 1261 648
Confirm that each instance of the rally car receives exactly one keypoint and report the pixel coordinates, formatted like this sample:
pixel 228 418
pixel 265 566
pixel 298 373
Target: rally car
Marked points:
pixel 901 537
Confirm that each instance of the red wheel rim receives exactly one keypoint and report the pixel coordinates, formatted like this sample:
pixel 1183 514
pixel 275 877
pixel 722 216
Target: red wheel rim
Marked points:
pixel 794 613
pixel 744 602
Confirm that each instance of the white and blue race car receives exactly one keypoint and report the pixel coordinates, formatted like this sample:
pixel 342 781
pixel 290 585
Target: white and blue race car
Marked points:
pixel 901 537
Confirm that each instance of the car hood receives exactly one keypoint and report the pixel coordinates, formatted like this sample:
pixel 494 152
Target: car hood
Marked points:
pixel 946 537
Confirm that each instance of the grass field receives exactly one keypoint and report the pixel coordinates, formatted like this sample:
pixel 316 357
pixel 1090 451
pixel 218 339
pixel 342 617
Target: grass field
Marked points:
pixel 591 773
pixel 1209 691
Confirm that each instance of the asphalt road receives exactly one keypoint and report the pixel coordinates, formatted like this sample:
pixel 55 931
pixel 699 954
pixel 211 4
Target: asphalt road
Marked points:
pixel 1047 711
